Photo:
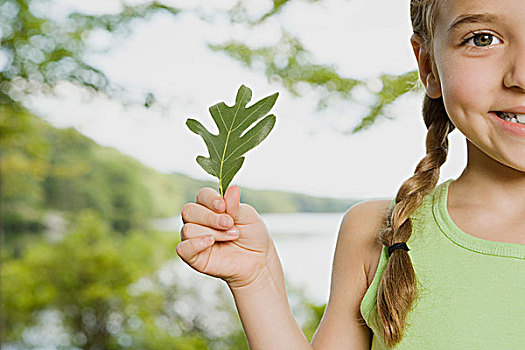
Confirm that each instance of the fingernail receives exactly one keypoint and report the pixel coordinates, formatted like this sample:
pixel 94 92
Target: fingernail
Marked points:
pixel 225 221
pixel 234 231
pixel 216 204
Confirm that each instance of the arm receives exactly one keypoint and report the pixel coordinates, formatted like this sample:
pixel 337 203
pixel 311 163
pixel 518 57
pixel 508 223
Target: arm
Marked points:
pixel 263 305
pixel 342 326
pixel 265 313
pixel 246 259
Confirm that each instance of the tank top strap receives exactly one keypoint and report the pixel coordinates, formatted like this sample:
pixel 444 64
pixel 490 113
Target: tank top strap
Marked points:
pixel 422 216
pixel 465 240
pixel 469 289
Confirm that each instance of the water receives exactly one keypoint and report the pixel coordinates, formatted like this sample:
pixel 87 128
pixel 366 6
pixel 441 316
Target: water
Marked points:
pixel 305 243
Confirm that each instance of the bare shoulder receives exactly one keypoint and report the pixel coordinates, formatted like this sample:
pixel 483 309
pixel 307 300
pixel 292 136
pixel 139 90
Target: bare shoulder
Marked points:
pixel 367 215
pixel 357 253
pixel 361 224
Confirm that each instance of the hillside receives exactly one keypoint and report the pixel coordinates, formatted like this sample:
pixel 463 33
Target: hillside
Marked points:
pixel 269 201
pixel 61 170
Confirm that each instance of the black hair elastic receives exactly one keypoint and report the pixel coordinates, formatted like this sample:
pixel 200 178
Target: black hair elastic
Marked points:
pixel 395 246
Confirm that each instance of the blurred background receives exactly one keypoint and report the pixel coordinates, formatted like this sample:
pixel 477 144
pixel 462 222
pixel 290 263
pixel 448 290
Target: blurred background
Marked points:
pixel 96 161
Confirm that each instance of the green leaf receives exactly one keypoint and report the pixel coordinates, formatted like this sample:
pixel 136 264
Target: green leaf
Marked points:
pixel 226 149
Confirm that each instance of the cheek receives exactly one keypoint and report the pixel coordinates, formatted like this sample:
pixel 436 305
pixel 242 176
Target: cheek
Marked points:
pixel 466 88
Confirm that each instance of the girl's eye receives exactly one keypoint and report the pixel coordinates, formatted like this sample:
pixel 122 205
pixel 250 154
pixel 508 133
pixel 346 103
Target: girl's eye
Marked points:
pixel 481 40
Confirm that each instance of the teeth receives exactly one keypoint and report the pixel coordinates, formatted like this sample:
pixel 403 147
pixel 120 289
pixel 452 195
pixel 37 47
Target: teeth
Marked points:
pixel 512 117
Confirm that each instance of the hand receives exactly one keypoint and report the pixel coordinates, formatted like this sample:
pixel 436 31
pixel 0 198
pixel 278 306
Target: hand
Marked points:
pixel 237 251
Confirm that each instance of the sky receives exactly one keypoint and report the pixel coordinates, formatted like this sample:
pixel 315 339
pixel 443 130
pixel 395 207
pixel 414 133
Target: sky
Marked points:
pixel 305 152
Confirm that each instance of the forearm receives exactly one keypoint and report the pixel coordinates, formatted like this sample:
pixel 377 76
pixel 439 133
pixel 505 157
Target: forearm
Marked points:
pixel 265 313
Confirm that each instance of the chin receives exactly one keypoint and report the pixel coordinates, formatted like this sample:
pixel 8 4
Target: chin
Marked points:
pixel 515 163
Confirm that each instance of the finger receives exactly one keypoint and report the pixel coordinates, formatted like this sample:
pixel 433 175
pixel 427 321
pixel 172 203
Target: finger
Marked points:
pixel 189 249
pixel 199 214
pixel 211 199
pixel 240 212
pixel 193 230
pixel 232 197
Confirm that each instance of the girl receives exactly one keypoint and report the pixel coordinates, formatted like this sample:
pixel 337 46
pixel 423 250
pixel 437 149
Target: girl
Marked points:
pixel 438 267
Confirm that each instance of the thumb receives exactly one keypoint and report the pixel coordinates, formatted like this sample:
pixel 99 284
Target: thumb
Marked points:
pixel 232 197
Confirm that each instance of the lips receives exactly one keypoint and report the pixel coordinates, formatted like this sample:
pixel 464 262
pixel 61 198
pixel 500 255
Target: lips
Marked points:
pixel 509 127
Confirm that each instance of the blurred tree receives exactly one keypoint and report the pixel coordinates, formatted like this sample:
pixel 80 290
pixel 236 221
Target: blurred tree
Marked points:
pixel 45 168
pixel 37 52
pixel 84 279
pixel 85 175
pixel 289 63
pixel 41 50
pixel 23 164
pixel 292 65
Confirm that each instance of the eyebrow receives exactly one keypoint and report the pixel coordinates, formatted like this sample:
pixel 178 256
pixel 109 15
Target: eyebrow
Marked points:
pixel 472 18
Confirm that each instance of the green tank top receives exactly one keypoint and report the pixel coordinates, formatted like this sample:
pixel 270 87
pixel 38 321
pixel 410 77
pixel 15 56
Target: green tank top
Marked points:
pixel 472 290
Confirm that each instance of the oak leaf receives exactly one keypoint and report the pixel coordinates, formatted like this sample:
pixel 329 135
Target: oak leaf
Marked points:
pixel 226 149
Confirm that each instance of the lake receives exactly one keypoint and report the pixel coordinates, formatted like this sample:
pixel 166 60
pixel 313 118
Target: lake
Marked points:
pixel 305 243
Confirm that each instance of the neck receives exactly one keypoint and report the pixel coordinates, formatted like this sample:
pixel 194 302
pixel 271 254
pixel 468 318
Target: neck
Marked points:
pixel 485 180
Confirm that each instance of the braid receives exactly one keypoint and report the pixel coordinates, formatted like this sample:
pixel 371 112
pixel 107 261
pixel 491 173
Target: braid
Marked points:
pixel 397 287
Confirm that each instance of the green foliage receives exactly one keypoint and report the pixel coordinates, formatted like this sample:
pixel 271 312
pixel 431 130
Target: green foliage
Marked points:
pixel 24 157
pixel 226 148
pixel 45 168
pixel 286 202
pixel 267 201
pixel 317 312
pixel 393 88
pixel 290 63
pixel 238 13
pixel 85 175
pixel 45 50
pixel 86 277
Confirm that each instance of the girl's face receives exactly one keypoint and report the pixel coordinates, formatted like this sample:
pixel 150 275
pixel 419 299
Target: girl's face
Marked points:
pixel 479 69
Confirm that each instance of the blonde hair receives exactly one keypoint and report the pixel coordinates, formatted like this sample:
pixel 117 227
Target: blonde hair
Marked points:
pixel 397 289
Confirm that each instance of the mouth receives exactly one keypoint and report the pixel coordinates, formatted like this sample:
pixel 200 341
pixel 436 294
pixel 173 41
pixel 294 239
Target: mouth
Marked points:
pixel 511 117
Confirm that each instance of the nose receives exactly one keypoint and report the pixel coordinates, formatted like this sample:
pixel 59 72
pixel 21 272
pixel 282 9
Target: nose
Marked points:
pixel 515 75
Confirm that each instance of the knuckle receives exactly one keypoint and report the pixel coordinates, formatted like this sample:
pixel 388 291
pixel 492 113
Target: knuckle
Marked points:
pixel 187 230
pixel 212 219
pixel 184 232
pixel 178 249
pixel 209 189
pixel 203 193
pixel 193 257
pixel 249 208
pixel 186 210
